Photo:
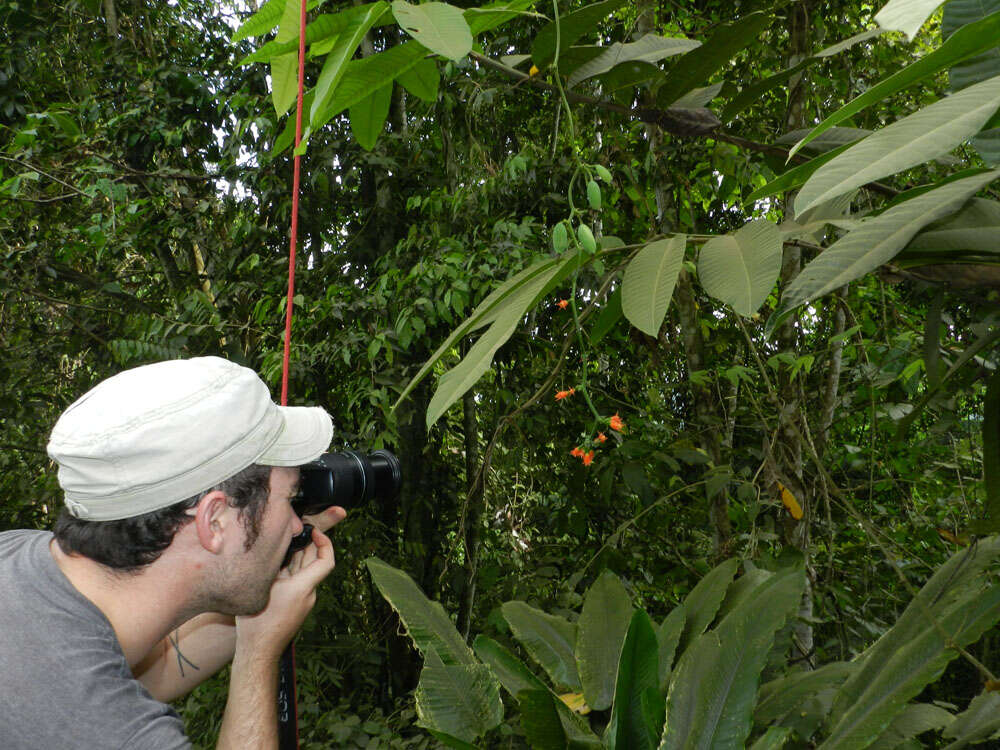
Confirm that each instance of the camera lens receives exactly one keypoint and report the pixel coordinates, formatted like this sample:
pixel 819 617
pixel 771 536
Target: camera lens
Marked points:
pixel 347 479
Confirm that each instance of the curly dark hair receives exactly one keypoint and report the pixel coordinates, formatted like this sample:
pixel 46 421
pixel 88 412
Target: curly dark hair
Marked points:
pixel 129 544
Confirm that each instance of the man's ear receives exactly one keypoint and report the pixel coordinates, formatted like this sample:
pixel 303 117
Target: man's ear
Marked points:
pixel 211 520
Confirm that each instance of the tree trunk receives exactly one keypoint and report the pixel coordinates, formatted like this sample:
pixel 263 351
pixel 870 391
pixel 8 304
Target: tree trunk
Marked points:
pixel 111 20
pixel 473 511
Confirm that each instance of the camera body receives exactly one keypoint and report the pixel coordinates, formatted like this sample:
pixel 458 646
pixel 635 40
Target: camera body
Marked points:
pixel 348 479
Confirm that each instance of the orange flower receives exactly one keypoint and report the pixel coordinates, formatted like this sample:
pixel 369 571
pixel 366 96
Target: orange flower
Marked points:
pixel 576 452
pixel 615 423
pixel 563 304
pixel 601 438
pixel 588 458
pixel 560 395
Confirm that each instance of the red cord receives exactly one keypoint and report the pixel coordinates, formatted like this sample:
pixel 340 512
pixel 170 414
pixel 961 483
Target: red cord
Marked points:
pixel 295 208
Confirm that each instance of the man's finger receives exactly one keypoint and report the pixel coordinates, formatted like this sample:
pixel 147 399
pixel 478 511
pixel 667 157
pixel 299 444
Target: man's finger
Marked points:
pixel 327 519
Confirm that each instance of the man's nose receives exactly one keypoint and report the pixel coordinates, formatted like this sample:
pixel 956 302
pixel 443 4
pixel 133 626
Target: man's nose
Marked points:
pixel 297 524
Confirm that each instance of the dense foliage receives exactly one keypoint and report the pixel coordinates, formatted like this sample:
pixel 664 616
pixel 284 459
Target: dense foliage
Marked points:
pixel 793 332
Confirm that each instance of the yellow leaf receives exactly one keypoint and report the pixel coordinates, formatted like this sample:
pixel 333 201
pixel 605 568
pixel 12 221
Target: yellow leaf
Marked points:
pixel 789 501
pixel 575 703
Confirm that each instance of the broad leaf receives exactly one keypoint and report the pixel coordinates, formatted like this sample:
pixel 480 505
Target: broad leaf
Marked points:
pixel 713 690
pixel 321 34
pixel 928 133
pixel 702 602
pixel 696 98
pixel 550 640
pixel 773 739
pixel 440 27
pixel 540 720
pixel 972 230
pixel 285 68
pixel 368 117
pixel 776 699
pixel 649 283
pixel 914 719
pixel 979 722
pixel 905 15
pixel 697 66
pixel 422 80
pixel 740 269
pixel 461 700
pixel 511 671
pixel 794 177
pixel 491 15
pixel 877 240
pixel 610 314
pixel 650 48
pixel 604 620
pixel 668 635
pixel 427 624
pixel 571 27
pixel 968 41
pixel 454 383
pixel 628 728
pixel 267 18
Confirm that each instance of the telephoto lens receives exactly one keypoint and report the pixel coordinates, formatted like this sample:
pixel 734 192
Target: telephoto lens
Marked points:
pixel 348 479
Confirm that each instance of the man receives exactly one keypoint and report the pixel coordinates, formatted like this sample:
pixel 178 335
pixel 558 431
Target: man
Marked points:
pixel 165 564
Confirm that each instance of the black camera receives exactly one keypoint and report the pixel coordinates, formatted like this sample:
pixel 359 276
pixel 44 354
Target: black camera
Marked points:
pixel 348 479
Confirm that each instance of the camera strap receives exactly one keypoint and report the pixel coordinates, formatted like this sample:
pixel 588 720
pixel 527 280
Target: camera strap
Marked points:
pixel 288 726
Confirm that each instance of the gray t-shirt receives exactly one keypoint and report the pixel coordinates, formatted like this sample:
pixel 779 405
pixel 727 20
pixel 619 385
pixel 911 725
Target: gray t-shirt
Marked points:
pixel 65 681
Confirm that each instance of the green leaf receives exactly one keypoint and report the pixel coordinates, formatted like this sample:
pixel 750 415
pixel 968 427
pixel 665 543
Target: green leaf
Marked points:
pixel 702 602
pixel 794 177
pixel 978 723
pixel 336 64
pixel 608 318
pixel 368 117
pixel 440 27
pixel 491 15
pixel 540 720
pixel 601 629
pixel 906 15
pixel 928 133
pixel 668 635
pixel 913 652
pixel 713 689
pixel 776 699
pixel 773 739
pixel 650 48
pixel 968 41
pixel 877 240
pixel 284 81
pixel 550 640
pixel 698 65
pixel 454 383
pixel 427 624
pixel 510 670
pixel 637 673
pixel 487 312
pixel 752 94
pixel 571 27
pixel 320 34
pixel 422 80
pixel 649 283
pixel 741 269
pixel 461 700
pixel 699 97
pixel 971 230
pixel 914 719
pixel 266 19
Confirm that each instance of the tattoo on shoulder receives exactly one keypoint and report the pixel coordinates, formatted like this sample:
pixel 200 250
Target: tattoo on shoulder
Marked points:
pixel 181 659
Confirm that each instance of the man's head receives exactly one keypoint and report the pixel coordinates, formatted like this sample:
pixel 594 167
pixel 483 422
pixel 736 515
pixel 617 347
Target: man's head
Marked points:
pixel 140 453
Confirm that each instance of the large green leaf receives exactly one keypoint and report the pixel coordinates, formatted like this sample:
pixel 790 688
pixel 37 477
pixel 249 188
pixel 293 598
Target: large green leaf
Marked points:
pixel 485 313
pixel 971 230
pixel 359 22
pixel 426 622
pixel 285 68
pixel 454 383
pixel 668 635
pixel 978 723
pixel 702 602
pixel 795 176
pixel 491 15
pixel 540 720
pixel 697 66
pixel 958 13
pixel 866 709
pixel 914 719
pixel 713 690
pixel 776 699
pixel 604 621
pixel 628 728
pixel 368 117
pixel 462 700
pixel 650 48
pixel 928 133
pixel 550 640
pixel 906 15
pixel 422 80
pixel 511 671
pixel 773 739
pixel 752 94
pixel 571 27
pixel 649 283
pixel 267 18
pixel 741 269
pixel 877 240
pixel 968 41
pixel 440 27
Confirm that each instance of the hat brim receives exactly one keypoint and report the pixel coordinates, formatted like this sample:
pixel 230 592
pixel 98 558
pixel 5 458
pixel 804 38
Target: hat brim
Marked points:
pixel 306 435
